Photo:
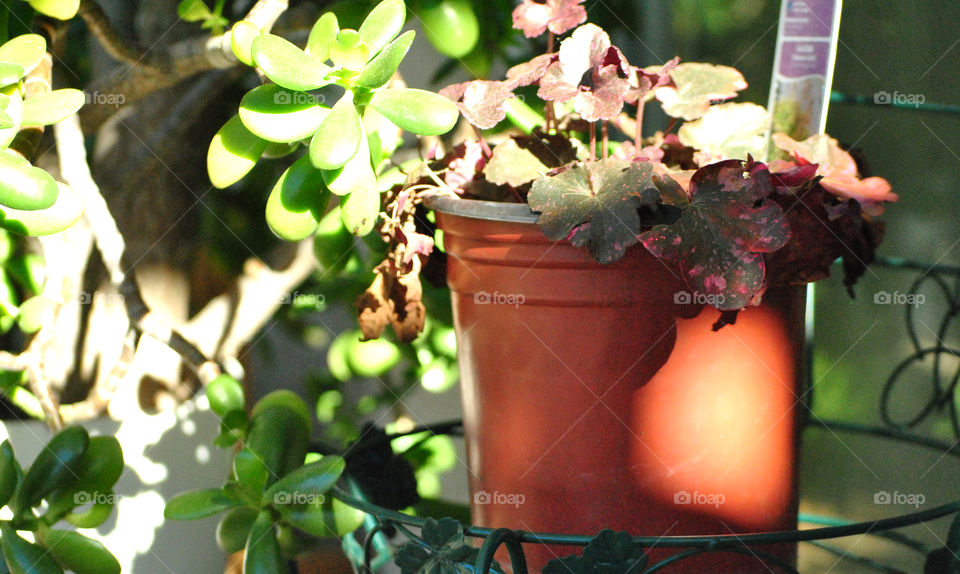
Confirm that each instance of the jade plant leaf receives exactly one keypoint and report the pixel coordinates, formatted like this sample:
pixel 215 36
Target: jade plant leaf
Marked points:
pixel 79 554
pixel 59 9
pixel 262 553
pixel 451 26
pixel 383 24
pixel 61 215
pixel 14 109
pixel 242 36
pixel 513 165
pixel 10 73
pixel 297 202
pixel 233 152
pixel 98 472
pixel 609 552
pixel 355 175
pixel 51 107
pixel 225 394
pixel 279 115
pixel 23 186
pixel 234 528
pixel 417 111
pixel 383 66
pixel 196 504
pixel 724 227
pixel 8 472
pixel 26 51
pixel 359 210
pixel 311 480
pixel 288 65
pixel 339 136
pixel 331 518
pixel 24 557
pixel 727 131
pixel 323 33
pixel 696 86
pixel 56 466
pixel 193 11
pixel 349 52
pixel 595 205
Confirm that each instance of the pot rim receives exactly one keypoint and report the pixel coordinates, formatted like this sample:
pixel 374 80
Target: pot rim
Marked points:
pixel 481 209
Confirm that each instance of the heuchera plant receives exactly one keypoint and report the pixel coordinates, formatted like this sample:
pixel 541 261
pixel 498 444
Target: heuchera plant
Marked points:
pixel 696 196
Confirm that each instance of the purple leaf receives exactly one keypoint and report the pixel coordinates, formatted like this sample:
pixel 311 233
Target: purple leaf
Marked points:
pixel 480 101
pixel 529 72
pixel 535 17
pixel 726 224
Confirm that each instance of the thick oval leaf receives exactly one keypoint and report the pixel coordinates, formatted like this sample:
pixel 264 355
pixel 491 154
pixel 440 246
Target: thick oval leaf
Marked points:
pixel 10 73
pixel 193 11
pixel 14 109
pixel 330 519
pixel 97 473
pixel 26 51
pixel 233 152
pixel 242 36
pixel 59 9
pixel 287 65
pixel 24 557
pixel 383 66
pixel 298 201
pixel 323 33
pixel 332 244
pixel 225 394
pixel 349 52
pixel 5 121
pixel 417 111
pixel 262 553
pixel 55 467
pixel 52 107
pixel 280 430
pixel 8 472
pixel 359 210
pixel 310 480
pixel 356 175
pixel 79 554
pixel 95 516
pixel 23 186
pixel 281 116
pixel 383 24
pixel 198 504
pixel 277 150
pixel 338 137
pixel 451 26
pixel 61 215
pixel 234 529
pixel 250 470
pixel 36 312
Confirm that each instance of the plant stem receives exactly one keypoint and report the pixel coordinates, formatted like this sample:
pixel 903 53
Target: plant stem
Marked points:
pixel 548 111
pixel 605 151
pixel 638 135
pixel 483 143
pixel 593 141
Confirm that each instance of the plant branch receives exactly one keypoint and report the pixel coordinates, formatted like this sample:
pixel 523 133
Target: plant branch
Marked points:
pixel 108 37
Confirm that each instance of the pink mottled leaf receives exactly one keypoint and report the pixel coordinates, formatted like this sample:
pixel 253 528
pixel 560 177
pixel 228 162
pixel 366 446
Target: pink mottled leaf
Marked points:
pixel 696 86
pixel 531 71
pixel 726 224
pixel 534 17
pixel 595 205
pixel 480 101
pixel 645 80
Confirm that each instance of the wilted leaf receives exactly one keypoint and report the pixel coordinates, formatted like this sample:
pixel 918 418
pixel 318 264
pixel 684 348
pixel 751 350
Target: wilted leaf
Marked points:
pixel 512 165
pixel 595 205
pixel 724 227
pixel 559 15
pixel 696 87
pixel 727 131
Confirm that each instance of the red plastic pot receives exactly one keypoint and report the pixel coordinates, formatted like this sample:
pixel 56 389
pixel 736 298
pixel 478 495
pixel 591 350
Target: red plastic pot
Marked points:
pixel 589 405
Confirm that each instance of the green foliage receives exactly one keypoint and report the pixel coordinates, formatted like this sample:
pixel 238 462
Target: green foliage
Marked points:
pixel 198 11
pixel 450 25
pixel 448 552
pixel 609 552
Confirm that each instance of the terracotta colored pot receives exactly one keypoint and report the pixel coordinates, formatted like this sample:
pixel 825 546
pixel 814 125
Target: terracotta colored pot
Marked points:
pixel 588 405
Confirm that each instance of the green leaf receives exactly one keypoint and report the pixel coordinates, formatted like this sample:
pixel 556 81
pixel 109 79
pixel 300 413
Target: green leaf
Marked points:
pixel 356 175
pixel 250 469
pixel 242 36
pixel 287 65
pixel 193 11
pixel 61 215
pixel 8 472
pixel 338 137
pixel 451 26
pixel 513 165
pixel 35 312
pixel 234 528
pixel 13 109
pixel 95 516
pixel 359 210
pixel 262 553
pixel 333 243
pixel 383 66
pixel 23 186
pixel 697 86
pixel 233 152
pixel 29 271
pixel 280 430
pixel 417 111
pixel 225 394
pixel 198 504
pixel 383 24
pixel 24 557
pixel 724 227
pixel 10 73
pixel 51 107
pixel 279 115
pixel 451 553
pixel 79 554
pixel 609 552
pixel 26 51
pixel 59 9
pixel 323 33
pixel 55 467
pixel 298 201
pixel 595 205
pixel 98 472
pixel 727 131
pixel 371 358
pixel 5 121
pixel 349 52
pixel 277 150
pixel 309 481
pixel 331 518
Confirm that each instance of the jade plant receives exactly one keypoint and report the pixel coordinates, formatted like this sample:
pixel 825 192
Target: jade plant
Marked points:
pixel 71 481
